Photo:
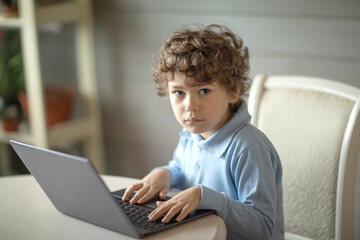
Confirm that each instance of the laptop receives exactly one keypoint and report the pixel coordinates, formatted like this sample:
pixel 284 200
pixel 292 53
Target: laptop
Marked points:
pixel 75 188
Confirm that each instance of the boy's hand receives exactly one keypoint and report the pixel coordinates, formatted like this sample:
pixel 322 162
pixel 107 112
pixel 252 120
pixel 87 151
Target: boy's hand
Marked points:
pixel 182 203
pixel 156 182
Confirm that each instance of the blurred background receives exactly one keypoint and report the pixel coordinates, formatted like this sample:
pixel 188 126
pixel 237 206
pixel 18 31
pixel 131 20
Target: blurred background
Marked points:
pixel 316 38
pixel 319 38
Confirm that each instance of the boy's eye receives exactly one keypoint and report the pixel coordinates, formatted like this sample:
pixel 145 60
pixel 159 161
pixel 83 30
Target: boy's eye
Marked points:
pixel 179 93
pixel 204 91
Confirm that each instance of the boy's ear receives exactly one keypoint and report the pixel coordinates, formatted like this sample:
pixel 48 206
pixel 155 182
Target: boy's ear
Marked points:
pixel 234 96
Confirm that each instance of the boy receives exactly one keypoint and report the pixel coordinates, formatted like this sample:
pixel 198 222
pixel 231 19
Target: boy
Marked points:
pixel 222 162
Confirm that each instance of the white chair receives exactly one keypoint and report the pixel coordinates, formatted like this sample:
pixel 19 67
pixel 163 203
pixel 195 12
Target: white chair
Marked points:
pixel 315 126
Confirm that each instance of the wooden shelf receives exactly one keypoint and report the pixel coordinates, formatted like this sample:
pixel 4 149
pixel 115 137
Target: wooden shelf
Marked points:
pixel 22 135
pixel 85 129
pixel 62 12
pixel 72 131
pixel 10 22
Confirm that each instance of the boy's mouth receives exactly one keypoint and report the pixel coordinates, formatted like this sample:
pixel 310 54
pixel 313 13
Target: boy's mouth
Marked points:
pixel 194 120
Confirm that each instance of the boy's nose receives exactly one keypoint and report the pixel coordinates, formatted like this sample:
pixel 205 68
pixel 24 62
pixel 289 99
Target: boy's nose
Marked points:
pixel 191 104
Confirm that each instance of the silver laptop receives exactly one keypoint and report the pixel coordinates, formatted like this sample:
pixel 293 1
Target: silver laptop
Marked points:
pixel 75 188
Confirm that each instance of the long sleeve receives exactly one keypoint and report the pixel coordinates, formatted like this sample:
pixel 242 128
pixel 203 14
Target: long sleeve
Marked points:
pixel 175 167
pixel 253 216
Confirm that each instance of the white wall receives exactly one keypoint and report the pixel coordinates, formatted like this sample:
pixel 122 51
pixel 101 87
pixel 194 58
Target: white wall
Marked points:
pixel 309 37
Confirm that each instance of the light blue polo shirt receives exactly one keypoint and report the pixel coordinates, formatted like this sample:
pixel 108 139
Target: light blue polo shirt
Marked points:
pixel 240 175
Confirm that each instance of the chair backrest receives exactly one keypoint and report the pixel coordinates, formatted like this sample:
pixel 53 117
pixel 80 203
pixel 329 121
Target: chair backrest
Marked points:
pixel 315 126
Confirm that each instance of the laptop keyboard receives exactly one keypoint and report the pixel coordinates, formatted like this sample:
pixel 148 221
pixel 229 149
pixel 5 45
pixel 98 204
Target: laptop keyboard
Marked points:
pixel 139 215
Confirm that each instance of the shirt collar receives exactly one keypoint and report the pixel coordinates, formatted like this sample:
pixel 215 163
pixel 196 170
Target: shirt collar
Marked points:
pixel 219 141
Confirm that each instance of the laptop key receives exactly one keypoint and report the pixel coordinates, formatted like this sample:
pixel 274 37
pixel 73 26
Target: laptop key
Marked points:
pixel 139 215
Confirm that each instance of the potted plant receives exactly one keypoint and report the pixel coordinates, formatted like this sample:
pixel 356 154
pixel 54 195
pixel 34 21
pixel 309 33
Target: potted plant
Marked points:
pixel 9 8
pixel 11 77
pixel 59 103
pixel 59 99
pixel 9 117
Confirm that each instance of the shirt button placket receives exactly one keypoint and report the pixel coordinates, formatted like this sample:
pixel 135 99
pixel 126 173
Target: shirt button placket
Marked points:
pixel 197 167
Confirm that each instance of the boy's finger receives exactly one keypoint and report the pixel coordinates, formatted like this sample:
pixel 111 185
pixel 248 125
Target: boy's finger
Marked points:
pixel 159 203
pixel 147 196
pixel 184 212
pixel 163 192
pixel 129 190
pixel 158 212
pixel 171 213
pixel 139 194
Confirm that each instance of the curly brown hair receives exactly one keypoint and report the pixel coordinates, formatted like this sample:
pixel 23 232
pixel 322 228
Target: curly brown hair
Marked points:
pixel 211 53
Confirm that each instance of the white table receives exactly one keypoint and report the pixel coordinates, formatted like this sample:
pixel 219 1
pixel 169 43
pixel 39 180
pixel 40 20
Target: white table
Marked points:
pixel 26 213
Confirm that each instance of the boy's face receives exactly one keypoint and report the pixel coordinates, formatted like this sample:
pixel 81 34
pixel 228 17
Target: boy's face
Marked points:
pixel 200 108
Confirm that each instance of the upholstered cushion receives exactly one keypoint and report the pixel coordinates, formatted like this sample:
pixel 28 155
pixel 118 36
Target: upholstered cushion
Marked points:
pixel 307 129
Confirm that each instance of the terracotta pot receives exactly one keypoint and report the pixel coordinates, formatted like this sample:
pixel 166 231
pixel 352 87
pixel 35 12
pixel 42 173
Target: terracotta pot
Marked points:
pixel 10 125
pixel 59 102
pixel 11 11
